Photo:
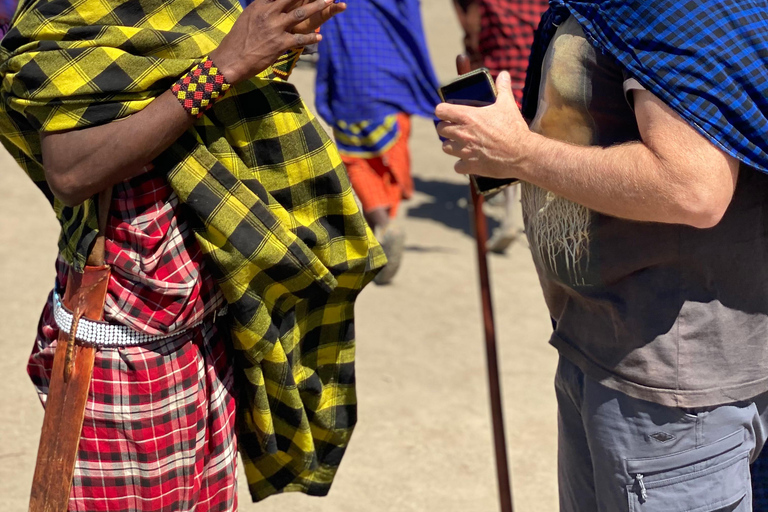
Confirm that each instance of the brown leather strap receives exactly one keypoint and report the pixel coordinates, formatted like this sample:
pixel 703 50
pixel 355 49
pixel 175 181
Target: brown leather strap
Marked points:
pixel 67 396
pixel 70 380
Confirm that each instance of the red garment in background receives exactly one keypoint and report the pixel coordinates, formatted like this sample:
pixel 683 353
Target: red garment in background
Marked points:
pixel 384 181
pixel 506 35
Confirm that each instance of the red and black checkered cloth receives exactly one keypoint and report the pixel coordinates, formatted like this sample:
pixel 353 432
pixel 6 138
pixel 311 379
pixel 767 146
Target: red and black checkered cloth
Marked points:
pixel 159 429
pixel 506 35
pixel 158 433
pixel 159 281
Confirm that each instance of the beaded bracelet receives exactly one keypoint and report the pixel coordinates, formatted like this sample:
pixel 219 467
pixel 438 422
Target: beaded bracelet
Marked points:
pixel 200 87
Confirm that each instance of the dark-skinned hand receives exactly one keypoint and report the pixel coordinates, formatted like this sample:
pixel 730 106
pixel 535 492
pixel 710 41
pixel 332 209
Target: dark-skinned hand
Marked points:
pixel 265 30
pixel 316 20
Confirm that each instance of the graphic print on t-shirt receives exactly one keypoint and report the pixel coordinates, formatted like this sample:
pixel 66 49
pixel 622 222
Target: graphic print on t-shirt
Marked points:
pixel 559 229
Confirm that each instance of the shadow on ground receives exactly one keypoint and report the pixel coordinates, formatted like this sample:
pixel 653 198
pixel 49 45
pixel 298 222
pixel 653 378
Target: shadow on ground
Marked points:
pixel 447 203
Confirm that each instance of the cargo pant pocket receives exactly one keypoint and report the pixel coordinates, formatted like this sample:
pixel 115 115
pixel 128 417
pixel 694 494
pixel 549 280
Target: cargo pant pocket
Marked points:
pixel 713 477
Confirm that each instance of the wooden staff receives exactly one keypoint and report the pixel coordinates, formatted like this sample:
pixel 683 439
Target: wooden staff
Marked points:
pixel 70 380
pixel 494 384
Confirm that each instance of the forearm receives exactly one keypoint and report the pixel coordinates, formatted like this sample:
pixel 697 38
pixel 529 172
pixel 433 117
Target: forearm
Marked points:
pixel 673 175
pixel 627 181
pixel 81 163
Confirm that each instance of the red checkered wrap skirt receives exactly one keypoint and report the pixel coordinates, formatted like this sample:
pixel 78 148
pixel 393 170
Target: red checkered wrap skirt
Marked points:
pixel 159 429
pixel 384 181
pixel 506 36
pixel 159 282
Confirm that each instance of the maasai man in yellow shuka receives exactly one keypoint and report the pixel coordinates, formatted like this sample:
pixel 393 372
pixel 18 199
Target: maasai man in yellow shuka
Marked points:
pixel 257 189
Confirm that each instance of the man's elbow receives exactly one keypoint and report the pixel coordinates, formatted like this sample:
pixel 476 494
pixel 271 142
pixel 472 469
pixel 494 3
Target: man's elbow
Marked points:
pixel 65 186
pixel 705 208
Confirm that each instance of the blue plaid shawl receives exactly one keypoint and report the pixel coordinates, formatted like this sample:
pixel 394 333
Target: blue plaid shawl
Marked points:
pixel 706 59
pixel 7 9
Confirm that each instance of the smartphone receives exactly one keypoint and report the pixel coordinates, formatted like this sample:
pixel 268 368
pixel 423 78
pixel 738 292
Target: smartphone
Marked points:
pixel 475 89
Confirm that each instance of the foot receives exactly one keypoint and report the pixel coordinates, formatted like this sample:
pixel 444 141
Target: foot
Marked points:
pixel 392 240
pixel 501 239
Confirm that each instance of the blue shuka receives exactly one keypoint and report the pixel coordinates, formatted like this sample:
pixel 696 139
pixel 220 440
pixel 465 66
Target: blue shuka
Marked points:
pixel 706 59
pixel 374 64
pixel 7 9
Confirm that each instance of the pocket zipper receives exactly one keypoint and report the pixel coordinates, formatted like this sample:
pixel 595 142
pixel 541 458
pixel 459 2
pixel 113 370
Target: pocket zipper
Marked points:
pixel 643 493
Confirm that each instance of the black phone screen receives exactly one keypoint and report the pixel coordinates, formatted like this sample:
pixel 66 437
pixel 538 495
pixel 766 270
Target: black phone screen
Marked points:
pixel 475 90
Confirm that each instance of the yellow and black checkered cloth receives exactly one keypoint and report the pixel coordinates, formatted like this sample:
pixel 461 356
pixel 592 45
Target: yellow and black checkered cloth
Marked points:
pixel 276 212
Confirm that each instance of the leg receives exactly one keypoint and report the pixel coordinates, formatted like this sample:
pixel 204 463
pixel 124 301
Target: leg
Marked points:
pixel 378 218
pixel 574 462
pixel 760 483
pixel 394 167
pixel 507 233
pixel 370 186
pixel 648 456
pixel 759 467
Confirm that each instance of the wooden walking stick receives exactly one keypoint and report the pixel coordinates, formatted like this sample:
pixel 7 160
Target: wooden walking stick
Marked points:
pixel 494 384
pixel 70 380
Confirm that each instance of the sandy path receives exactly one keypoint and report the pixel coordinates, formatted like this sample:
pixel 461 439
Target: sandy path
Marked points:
pixel 423 442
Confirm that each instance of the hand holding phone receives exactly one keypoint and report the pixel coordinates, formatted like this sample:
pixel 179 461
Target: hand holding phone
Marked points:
pixel 475 89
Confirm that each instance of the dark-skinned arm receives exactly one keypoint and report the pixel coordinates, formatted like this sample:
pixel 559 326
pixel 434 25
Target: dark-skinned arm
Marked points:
pixel 81 163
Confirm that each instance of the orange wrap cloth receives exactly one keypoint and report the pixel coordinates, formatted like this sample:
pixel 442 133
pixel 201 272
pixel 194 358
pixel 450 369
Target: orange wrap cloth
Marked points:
pixel 383 181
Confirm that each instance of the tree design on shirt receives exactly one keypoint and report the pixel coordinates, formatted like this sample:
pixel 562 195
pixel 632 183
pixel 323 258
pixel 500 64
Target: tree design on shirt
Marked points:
pixel 558 230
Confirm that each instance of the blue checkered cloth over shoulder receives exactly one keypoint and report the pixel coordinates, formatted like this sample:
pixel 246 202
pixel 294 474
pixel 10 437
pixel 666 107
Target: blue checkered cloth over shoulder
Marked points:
pixel 374 62
pixel 706 59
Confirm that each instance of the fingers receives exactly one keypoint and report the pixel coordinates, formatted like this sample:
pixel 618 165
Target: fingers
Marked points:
pixel 457 114
pixel 457 149
pixel 463 167
pixel 304 12
pixel 450 131
pixel 298 40
pixel 332 10
pixel 506 98
pixel 278 5
pixel 504 86
pixel 314 22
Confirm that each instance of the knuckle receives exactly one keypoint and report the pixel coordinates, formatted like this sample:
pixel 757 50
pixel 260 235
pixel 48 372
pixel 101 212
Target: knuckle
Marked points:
pixel 300 13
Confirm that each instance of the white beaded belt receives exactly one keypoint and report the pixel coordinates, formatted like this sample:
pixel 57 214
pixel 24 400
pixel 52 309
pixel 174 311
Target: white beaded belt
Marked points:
pixel 104 334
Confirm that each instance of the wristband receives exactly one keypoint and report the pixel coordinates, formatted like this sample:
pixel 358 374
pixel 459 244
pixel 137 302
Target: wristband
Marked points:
pixel 200 87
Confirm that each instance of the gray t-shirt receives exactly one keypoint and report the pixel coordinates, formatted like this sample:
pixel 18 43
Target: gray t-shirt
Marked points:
pixel 662 312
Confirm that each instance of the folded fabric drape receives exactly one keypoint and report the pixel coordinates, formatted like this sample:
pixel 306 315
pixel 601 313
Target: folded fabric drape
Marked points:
pixel 273 205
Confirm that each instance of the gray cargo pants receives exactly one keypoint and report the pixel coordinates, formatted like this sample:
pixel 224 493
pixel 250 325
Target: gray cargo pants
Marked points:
pixel 617 453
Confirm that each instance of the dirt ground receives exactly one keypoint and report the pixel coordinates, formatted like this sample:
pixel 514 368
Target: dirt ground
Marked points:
pixel 423 442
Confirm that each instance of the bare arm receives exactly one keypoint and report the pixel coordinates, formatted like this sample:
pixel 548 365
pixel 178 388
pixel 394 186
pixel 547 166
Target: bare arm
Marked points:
pixel 80 163
pixel 674 175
